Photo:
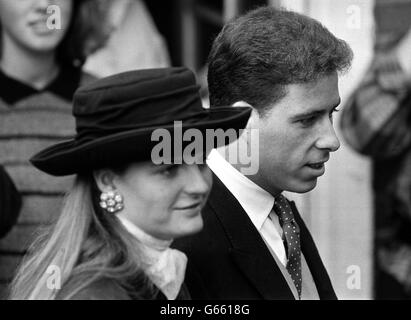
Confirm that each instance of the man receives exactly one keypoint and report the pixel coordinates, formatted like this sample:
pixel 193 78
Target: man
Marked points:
pixel 254 244
pixel 376 123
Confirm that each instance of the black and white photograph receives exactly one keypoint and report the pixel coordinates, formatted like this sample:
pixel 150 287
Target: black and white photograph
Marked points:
pixel 205 150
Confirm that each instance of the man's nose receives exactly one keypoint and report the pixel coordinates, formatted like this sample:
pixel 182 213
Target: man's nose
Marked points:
pixel 328 138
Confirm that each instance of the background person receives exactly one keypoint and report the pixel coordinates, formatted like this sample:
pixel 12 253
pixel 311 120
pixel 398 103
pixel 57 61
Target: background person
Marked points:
pixel 40 68
pixel 376 123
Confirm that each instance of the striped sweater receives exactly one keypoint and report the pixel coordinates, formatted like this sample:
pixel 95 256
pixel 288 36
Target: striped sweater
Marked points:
pixel 31 120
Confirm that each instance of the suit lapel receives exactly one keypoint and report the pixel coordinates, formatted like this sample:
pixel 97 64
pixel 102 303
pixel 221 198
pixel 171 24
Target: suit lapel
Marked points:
pixel 248 251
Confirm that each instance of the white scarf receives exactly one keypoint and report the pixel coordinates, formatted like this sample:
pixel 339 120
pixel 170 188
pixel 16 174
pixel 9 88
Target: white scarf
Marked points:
pixel 164 266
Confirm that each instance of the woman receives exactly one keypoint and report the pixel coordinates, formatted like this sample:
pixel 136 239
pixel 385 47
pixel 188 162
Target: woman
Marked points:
pixel 42 50
pixel 112 240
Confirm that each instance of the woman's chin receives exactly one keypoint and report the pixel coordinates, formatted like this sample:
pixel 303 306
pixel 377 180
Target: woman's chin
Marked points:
pixel 191 228
pixel 44 44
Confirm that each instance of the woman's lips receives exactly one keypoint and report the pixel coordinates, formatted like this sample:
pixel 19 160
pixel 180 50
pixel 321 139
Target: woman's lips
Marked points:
pixel 193 206
pixel 40 27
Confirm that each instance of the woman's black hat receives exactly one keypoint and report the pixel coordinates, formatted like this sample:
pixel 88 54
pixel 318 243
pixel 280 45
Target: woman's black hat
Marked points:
pixel 116 116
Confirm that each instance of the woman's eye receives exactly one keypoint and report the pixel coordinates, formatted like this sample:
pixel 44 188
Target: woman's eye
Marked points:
pixel 170 170
pixel 203 166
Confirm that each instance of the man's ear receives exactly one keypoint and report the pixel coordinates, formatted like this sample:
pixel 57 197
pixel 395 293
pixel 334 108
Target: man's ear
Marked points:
pixel 254 117
pixel 104 179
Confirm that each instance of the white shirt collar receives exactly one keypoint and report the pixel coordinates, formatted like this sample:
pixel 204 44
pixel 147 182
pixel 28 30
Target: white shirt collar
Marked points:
pixel 164 266
pixel 257 202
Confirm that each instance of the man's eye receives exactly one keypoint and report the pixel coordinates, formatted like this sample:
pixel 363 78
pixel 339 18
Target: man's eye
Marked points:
pixel 335 110
pixel 307 121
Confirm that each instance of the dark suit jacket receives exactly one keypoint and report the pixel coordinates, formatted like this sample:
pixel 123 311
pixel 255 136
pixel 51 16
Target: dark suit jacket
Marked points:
pixel 228 259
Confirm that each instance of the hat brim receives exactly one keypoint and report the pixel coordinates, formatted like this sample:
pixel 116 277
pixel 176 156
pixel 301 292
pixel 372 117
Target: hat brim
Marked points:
pixel 70 157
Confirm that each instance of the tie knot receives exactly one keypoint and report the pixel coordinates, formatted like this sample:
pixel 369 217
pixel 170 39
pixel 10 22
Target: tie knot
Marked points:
pixel 283 210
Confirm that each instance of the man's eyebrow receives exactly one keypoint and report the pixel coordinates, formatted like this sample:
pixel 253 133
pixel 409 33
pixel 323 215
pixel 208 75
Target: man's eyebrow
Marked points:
pixel 314 112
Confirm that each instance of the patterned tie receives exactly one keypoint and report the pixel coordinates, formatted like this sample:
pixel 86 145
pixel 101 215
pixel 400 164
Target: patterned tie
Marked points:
pixel 292 237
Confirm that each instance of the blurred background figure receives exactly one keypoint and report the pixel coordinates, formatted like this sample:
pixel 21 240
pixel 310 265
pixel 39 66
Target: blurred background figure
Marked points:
pixel 377 122
pixel 40 68
pixel 135 42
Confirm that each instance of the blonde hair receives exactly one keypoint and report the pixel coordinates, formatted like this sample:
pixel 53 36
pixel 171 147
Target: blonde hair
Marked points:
pixel 85 245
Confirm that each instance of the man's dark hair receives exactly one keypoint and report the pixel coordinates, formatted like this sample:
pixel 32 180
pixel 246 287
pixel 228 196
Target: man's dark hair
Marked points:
pixel 256 55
